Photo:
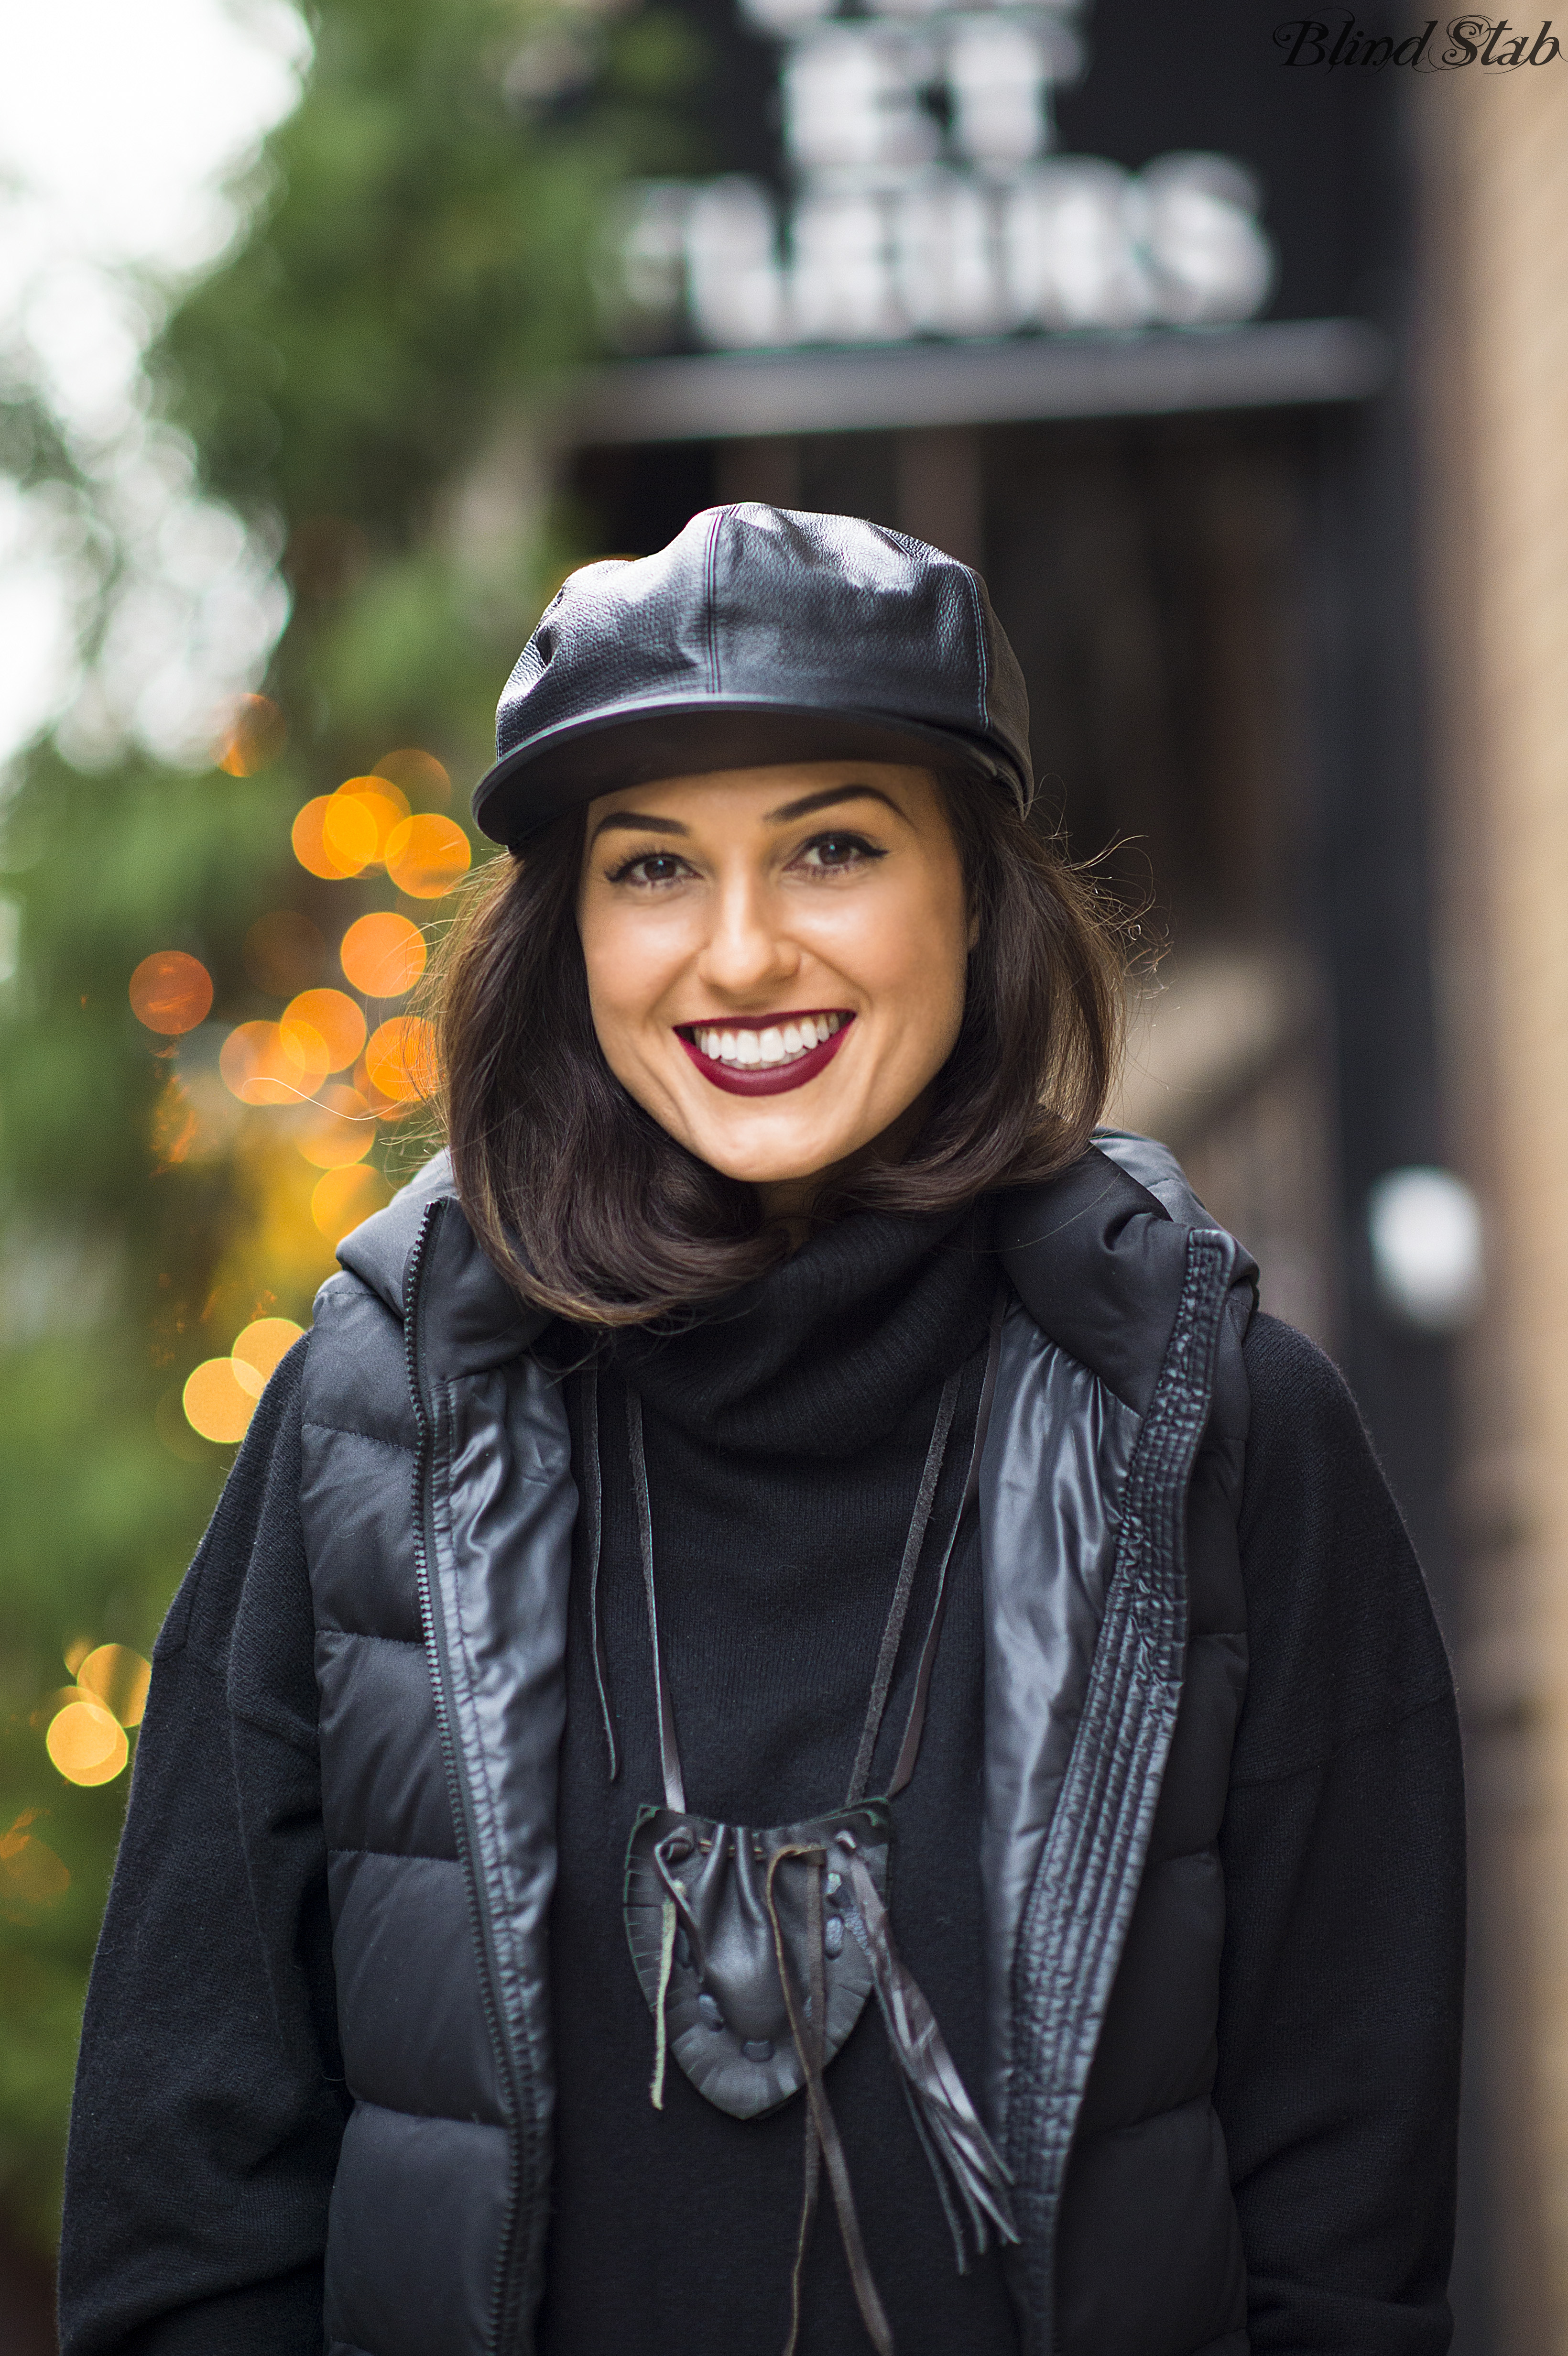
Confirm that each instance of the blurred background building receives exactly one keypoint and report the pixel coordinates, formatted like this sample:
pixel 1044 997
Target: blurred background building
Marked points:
pixel 1231 350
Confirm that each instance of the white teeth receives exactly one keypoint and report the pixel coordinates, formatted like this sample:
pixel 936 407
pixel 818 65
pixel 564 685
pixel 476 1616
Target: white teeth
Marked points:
pixel 777 1043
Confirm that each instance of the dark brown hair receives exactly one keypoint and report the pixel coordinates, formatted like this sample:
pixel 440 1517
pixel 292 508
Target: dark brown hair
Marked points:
pixel 596 1213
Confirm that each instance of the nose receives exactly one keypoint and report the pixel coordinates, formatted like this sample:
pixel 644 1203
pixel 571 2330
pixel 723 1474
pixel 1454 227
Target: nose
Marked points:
pixel 747 951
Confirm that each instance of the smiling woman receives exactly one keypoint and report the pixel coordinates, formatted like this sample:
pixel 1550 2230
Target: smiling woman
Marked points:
pixel 784 1749
pixel 957 976
pixel 713 957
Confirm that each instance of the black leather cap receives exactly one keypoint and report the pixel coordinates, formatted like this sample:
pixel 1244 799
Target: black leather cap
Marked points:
pixel 758 635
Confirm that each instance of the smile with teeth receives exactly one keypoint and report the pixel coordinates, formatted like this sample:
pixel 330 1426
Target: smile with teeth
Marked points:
pixel 777 1043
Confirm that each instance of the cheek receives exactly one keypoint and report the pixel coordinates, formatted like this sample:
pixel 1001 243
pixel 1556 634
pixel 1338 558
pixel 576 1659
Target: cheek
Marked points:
pixel 623 967
pixel 918 965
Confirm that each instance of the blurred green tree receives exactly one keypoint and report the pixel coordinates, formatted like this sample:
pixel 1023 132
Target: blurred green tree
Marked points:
pixel 358 381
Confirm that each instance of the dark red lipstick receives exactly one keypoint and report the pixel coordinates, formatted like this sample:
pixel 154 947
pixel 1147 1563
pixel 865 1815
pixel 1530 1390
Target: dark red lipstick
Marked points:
pixel 764 1079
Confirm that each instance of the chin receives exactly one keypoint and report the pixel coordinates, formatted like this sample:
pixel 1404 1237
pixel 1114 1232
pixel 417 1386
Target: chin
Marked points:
pixel 770 1169
pixel 773 1162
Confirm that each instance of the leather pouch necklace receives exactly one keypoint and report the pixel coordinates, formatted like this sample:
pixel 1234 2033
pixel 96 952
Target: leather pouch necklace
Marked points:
pixel 756 1950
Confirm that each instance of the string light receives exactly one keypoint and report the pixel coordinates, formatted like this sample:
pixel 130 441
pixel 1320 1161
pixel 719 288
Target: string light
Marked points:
pixel 171 992
pixel 263 1346
pixel 416 773
pixel 344 1131
pixel 322 1029
pixel 383 954
pixel 261 1067
pixel 119 1678
pixel 220 1396
pixel 86 1743
pixel 343 1199
pixel 427 856
pixel 216 1403
pixel 400 1060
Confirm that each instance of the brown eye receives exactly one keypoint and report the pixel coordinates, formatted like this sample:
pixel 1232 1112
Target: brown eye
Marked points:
pixel 650 867
pixel 834 853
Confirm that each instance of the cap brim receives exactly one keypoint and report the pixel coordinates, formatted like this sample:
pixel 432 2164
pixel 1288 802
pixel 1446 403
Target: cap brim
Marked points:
pixel 635 744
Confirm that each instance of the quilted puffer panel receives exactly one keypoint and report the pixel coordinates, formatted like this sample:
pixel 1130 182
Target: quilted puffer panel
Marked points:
pixel 1156 2048
pixel 417 2214
pixel 363 1364
pixel 1198 1771
pixel 383 1786
pixel 411 2014
pixel 1150 2253
pixel 356 1495
pixel 1216 1599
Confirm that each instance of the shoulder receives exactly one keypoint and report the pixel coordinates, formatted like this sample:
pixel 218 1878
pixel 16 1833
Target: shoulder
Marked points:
pixel 1342 1635
pixel 243 1611
pixel 1303 1425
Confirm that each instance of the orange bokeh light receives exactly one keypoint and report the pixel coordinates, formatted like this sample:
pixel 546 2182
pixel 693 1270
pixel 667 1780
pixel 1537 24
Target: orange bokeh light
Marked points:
pixel 383 954
pixel 86 1743
pixel 265 1342
pixel 381 801
pixel 343 1199
pixel 260 1067
pixel 216 1403
pixel 427 856
pixel 118 1678
pixel 344 1132
pixel 171 992
pixel 256 733
pixel 322 1030
pixel 349 832
pixel 416 772
pixel 354 830
pixel 399 1062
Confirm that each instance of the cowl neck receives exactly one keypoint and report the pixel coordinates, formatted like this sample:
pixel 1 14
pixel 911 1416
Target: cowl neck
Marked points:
pixel 828 1353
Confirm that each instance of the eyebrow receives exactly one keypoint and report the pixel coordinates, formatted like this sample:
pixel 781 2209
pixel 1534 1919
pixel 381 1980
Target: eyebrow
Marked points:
pixel 826 798
pixel 634 822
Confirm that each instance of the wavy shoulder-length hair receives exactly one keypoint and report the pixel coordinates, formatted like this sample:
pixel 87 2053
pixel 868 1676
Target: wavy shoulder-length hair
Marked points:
pixel 596 1214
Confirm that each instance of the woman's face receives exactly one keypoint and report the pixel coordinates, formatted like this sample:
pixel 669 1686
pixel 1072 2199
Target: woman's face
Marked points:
pixel 776 958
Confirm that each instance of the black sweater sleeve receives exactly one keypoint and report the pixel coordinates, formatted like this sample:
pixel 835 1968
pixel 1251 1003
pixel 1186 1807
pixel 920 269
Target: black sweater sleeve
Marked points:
pixel 208 2102
pixel 1343 1849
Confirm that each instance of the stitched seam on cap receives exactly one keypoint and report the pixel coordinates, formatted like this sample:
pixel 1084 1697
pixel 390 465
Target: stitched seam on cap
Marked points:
pixel 981 651
pixel 709 591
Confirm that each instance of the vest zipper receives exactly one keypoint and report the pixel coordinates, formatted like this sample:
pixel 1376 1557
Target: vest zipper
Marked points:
pixel 515 2075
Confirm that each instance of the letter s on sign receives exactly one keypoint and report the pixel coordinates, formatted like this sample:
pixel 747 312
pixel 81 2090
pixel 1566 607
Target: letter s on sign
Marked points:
pixel 1296 35
pixel 1460 31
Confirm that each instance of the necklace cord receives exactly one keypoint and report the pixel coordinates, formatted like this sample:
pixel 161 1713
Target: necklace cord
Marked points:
pixel 925 1498
pixel 595 1501
pixel 669 1749
pixel 914 1724
pixel 898 1610
pixel 825 2127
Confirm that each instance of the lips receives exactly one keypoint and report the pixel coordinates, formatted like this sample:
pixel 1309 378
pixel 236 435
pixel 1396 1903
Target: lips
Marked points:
pixel 756 1079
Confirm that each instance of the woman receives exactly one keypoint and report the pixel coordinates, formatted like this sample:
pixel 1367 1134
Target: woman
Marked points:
pixel 795 1731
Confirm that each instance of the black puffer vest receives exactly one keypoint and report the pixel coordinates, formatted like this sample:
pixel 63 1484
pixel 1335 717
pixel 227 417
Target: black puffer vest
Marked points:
pixel 438 1502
